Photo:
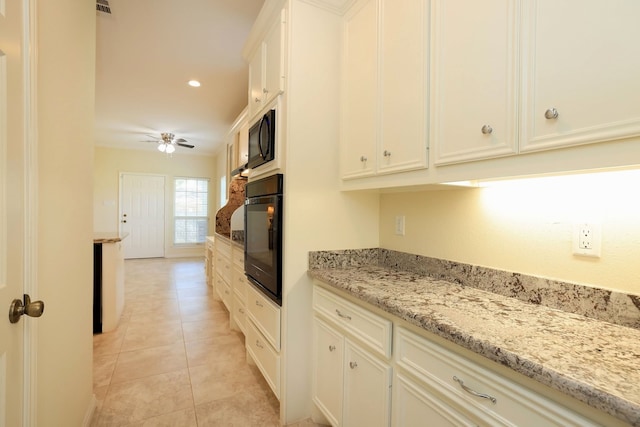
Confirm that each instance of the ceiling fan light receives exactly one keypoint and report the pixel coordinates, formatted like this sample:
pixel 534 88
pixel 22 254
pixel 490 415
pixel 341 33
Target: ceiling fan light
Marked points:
pixel 170 148
pixel 162 147
pixel 194 83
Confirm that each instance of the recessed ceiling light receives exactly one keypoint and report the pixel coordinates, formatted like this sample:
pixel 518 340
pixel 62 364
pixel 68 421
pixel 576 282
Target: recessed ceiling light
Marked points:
pixel 194 83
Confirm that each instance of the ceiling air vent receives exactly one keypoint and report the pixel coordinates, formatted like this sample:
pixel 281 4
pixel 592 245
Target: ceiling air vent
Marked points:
pixel 103 6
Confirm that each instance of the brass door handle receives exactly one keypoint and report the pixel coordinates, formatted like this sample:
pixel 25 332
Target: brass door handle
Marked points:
pixel 31 309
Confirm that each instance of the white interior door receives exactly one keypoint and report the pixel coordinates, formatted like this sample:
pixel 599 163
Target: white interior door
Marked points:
pixel 13 122
pixel 142 215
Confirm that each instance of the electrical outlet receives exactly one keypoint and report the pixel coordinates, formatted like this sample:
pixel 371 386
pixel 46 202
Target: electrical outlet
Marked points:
pixel 400 225
pixel 587 239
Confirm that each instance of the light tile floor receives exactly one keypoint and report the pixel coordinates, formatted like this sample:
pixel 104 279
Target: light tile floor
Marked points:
pixel 173 361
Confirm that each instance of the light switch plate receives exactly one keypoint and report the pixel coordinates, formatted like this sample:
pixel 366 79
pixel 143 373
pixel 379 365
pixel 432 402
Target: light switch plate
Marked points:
pixel 400 225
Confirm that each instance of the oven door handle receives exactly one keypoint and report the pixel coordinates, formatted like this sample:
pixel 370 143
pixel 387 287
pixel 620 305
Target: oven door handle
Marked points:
pixel 261 200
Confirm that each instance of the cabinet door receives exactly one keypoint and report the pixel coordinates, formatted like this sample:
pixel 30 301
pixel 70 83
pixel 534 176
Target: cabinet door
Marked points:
pixel 359 91
pixel 474 110
pixel 413 404
pixel 274 62
pixel 367 389
pixel 256 74
pixel 404 70
pixel 328 370
pixel 583 59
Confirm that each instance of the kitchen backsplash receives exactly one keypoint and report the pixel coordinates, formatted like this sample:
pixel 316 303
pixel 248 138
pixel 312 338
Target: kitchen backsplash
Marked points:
pixel 609 306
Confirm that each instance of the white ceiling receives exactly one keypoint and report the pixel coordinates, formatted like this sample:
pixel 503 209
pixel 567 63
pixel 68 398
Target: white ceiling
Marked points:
pixel 147 51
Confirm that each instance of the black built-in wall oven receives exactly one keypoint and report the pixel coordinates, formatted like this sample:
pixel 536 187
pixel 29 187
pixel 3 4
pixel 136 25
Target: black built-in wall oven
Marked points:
pixel 263 235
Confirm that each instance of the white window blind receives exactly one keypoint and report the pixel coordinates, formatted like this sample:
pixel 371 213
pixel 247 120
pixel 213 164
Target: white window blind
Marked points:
pixel 191 208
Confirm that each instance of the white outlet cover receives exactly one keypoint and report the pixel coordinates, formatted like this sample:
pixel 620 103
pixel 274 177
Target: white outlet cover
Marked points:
pixel 594 241
pixel 400 225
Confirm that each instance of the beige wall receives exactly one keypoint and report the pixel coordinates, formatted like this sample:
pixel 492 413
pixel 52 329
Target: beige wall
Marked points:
pixel 65 92
pixel 317 215
pixel 526 226
pixel 110 162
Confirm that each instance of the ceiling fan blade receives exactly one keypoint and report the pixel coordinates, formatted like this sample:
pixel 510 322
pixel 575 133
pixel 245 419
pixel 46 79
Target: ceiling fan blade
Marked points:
pixel 150 140
pixel 185 145
pixel 155 138
pixel 180 140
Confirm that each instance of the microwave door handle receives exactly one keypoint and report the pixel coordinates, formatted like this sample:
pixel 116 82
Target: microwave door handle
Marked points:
pixel 266 119
pixel 260 138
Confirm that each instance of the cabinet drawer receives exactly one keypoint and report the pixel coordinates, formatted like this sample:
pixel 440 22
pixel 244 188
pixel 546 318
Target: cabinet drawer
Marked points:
pixel 223 267
pixel 240 283
pixel 224 291
pixel 265 357
pixel 238 257
pixel 240 313
pixel 371 329
pixel 265 315
pixel 456 379
pixel 223 247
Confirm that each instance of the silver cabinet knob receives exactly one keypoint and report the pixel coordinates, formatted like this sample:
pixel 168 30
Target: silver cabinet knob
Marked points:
pixel 256 99
pixel 363 159
pixel 332 348
pixel 264 90
pixel 551 113
pixel 353 365
pixel 486 129
pixel 386 153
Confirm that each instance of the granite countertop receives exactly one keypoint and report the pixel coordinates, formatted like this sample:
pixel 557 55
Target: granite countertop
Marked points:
pixel 109 237
pixel 594 361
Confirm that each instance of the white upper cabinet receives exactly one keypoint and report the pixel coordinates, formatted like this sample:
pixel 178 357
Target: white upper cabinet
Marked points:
pixel 404 52
pixel 583 62
pixel 384 87
pixel 266 68
pixel 359 90
pixel 474 86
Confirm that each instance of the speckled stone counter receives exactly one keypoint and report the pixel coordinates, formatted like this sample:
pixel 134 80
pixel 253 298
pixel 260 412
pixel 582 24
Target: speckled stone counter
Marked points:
pixel 114 237
pixel 594 361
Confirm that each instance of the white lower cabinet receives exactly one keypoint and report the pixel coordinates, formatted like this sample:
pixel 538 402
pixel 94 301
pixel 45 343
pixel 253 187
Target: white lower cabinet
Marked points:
pixel 460 392
pixel 416 406
pixel 262 327
pixel 351 382
pixel 433 385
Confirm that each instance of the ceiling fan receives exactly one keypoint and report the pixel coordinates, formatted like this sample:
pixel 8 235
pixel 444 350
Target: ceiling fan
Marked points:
pixel 168 141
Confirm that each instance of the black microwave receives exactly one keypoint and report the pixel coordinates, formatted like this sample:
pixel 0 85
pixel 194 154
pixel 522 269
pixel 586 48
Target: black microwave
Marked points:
pixel 262 140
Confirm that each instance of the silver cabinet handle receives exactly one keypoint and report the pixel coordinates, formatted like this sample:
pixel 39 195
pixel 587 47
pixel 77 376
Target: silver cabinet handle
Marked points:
pixel 486 129
pixel 344 316
pixel 551 113
pixel 363 159
pixel 353 365
pixel 386 153
pixel 259 304
pixel 256 99
pixel 264 90
pixel 473 392
pixel 332 348
pixel 258 344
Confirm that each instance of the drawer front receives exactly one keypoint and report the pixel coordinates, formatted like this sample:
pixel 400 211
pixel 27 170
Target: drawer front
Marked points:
pixel 474 387
pixel 240 283
pixel 371 329
pixel 238 257
pixel 240 313
pixel 223 247
pixel 223 267
pixel 265 314
pixel 265 357
pixel 224 292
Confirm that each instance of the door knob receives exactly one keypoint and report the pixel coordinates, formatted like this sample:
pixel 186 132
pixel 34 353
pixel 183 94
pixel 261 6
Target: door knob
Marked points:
pixel 31 309
pixel 124 221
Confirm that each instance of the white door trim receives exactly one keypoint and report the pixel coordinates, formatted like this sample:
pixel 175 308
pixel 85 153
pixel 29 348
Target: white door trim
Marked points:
pixel 30 354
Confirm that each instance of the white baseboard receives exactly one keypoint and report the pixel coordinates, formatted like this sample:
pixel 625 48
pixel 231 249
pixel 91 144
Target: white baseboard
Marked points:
pixel 88 415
